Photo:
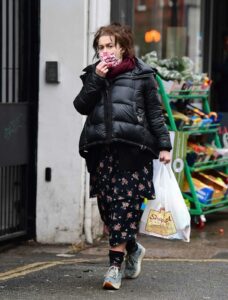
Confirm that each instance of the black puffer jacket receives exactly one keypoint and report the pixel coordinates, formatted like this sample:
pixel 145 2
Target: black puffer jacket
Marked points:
pixel 125 109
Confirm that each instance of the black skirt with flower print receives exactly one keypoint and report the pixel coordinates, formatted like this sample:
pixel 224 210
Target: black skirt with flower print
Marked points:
pixel 120 194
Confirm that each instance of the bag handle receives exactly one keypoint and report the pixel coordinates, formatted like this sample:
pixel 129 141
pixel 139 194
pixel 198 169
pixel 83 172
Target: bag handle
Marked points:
pixel 170 171
pixel 164 170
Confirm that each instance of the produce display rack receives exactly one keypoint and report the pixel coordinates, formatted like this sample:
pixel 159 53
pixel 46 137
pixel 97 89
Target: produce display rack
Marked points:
pixel 196 208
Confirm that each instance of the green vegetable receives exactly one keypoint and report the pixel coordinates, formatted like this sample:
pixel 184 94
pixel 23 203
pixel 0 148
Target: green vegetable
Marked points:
pixel 174 68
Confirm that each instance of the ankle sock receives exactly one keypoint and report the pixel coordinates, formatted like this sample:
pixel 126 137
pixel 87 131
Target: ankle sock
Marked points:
pixel 116 258
pixel 131 246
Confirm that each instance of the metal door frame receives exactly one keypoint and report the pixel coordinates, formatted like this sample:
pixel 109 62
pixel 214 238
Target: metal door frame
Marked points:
pixel 19 81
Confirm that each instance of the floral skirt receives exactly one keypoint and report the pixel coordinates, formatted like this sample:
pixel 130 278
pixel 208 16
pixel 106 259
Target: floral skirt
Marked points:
pixel 120 195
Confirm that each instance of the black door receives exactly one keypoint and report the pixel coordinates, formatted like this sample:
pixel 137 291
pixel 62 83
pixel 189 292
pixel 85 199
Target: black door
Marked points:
pixel 19 64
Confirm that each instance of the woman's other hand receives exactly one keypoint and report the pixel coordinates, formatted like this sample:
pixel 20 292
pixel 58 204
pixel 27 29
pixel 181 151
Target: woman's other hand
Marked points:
pixel 165 157
pixel 102 69
pixel 105 230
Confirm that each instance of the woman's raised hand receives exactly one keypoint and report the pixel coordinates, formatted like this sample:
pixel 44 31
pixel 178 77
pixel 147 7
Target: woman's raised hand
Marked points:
pixel 102 69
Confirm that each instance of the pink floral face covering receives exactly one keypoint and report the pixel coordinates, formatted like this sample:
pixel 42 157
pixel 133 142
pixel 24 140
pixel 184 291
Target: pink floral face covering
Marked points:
pixel 109 59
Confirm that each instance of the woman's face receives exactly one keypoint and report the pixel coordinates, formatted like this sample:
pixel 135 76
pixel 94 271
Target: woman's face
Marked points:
pixel 106 43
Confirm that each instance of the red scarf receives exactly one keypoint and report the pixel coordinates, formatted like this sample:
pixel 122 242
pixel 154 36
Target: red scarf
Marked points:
pixel 127 64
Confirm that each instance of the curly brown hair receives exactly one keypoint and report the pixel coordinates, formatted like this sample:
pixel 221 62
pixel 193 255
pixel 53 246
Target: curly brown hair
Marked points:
pixel 123 35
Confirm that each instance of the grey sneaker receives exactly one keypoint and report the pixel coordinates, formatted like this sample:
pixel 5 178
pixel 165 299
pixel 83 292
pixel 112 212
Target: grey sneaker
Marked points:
pixel 133 262
pixel 112 279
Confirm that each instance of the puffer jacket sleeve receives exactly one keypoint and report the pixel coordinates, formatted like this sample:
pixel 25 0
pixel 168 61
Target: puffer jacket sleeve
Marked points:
pixel 90 93
pixel 154 115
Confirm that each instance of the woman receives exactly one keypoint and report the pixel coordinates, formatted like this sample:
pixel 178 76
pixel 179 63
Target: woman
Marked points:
pixel 123 133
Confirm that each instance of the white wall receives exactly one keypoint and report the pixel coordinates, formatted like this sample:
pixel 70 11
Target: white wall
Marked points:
pixel 65 29
pixel 63 36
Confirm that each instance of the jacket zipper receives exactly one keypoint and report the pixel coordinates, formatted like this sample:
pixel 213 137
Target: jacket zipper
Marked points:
pixel 108 115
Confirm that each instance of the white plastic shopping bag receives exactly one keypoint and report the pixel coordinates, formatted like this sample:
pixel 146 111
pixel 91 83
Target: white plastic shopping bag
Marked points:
pixel 167 216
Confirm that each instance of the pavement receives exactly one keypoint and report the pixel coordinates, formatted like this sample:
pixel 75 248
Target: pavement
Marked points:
pixel 171 269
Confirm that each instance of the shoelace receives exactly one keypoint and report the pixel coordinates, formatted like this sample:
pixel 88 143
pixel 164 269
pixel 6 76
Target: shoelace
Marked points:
pixel 112 272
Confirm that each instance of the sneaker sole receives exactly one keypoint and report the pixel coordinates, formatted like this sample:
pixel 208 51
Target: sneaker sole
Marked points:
pixel 139 269
pixel 110 286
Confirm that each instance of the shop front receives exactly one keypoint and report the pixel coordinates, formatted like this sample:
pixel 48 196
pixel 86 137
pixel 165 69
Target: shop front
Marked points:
pixel 197 29
pixel 171 28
